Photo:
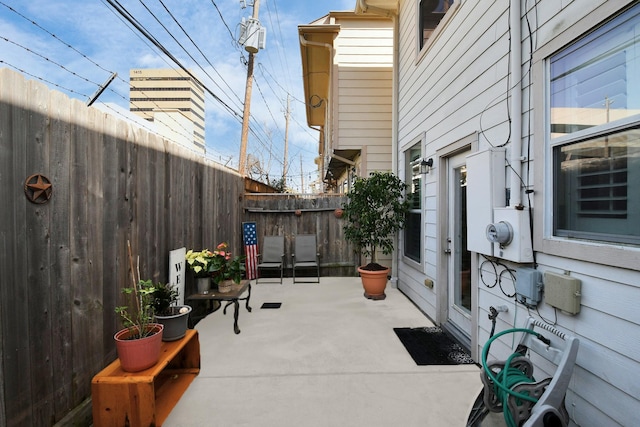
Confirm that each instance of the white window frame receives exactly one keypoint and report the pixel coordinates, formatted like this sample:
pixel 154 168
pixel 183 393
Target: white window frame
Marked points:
pixel 613 254
pixel 418 265
pixel 438 30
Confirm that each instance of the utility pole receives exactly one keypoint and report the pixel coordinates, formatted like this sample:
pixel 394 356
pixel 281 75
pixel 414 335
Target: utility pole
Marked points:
pixel 301 176
pixel 247 103
pixel 286 139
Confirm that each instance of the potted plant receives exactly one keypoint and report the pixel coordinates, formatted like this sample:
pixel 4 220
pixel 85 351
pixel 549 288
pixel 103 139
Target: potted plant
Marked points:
pixel 374 212
pixel 225 268
pixel 199 263
pixel 174 318
pixel 218 266
pixel 138 344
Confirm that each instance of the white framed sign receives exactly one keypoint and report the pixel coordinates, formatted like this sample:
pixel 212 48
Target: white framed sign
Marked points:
pixel 177 271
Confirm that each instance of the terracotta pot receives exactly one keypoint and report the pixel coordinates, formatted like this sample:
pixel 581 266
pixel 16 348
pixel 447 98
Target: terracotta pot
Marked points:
pixel 374 283
pixel 138 355
pixel 175 325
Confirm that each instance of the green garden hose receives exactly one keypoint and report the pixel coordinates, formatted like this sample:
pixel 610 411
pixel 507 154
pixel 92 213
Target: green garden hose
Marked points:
pixel 509 376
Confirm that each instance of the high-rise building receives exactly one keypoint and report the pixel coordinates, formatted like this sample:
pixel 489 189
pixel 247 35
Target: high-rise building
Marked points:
pixel 173 100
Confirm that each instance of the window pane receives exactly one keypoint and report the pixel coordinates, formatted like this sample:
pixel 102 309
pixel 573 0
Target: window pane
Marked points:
pixel 412 236
pixel 412 228
pixel 431 13
pixel 597 79
pixel 596 193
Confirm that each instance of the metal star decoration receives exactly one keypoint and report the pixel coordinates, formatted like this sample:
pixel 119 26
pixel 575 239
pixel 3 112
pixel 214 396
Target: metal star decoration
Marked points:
pixel 38 188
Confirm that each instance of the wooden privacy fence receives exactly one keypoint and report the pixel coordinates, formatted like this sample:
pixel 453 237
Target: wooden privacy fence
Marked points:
pixel 289 214
pixel 63 262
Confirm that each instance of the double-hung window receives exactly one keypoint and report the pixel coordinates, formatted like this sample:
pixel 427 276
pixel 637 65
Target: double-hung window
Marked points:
pixel 413 224
pixel 594 133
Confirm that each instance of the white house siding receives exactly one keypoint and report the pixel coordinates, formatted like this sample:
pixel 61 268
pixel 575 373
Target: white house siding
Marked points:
pixel 364 73
pixel 449 97
pixel 459 87
pixel 363 84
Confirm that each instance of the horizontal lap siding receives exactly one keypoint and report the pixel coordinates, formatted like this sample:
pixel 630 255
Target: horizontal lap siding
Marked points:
pixel 460 87
pixel 447 97
pixel 605 387
pixel 364 55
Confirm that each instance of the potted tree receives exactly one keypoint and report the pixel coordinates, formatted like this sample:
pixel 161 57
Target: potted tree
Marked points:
pixel 138 344
pixel 374 212
pixel 174 318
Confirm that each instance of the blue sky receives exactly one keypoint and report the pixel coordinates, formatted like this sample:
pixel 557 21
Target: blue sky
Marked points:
pixel 91 41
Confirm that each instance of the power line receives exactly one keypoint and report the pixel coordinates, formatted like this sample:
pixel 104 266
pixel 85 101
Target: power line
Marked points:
pixel 120 9
pixel 195 45
pixel 259 130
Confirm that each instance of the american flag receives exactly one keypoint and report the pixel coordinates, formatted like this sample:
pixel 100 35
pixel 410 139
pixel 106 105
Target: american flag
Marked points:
pixel 250 249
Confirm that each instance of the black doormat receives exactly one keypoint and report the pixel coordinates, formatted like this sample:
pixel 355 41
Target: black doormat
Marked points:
pixel 271 305
pixel 431 346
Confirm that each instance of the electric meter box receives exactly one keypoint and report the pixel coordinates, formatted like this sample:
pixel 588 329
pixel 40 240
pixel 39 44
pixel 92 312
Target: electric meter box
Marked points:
pixel 519 249
pixel 485 191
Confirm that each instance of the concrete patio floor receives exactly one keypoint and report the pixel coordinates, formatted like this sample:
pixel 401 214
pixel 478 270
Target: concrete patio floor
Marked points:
pixel 327 357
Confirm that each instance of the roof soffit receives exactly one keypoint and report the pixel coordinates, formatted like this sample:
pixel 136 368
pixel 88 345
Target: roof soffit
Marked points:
pixel 315 44
pixel 377 6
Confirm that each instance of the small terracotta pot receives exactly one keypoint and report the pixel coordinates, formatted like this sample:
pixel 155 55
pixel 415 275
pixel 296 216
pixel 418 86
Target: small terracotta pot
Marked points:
pixel 338 213
pixel 141 354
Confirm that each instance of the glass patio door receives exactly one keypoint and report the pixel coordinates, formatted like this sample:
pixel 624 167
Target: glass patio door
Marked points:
pixel 459 258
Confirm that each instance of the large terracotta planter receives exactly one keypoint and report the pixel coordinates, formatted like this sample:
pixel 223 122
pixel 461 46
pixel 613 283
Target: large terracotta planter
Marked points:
pixel 138 355
pixel 175 325
pixel 374 283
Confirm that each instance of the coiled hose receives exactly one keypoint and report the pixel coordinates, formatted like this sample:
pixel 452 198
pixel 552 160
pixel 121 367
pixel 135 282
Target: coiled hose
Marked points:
pixel 509 376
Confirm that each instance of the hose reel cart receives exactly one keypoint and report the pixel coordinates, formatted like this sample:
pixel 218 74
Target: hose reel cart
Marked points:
pixel 510 386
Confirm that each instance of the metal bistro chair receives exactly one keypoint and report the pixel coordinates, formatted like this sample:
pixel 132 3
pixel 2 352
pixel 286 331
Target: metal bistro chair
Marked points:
pixel 306 256
pixel 272 256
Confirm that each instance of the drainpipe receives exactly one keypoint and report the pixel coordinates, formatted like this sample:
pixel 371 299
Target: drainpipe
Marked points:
pixel 515 171
pixel 327 127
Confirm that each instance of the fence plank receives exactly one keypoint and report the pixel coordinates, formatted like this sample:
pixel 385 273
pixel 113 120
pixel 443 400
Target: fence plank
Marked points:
pixel 39 287
pixel 16 380
pixel 60 274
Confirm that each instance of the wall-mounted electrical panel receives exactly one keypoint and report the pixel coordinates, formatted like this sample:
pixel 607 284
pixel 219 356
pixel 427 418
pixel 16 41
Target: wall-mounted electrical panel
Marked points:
pixel 485 191
pixel 518 248
pixel 528 286
pixel 562 292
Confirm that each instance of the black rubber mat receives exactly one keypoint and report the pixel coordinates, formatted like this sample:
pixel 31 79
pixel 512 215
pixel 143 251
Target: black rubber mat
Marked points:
pixel 431 346
pixel 271 305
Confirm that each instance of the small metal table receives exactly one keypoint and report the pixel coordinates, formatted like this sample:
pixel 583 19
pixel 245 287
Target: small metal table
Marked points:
pixel 232 297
